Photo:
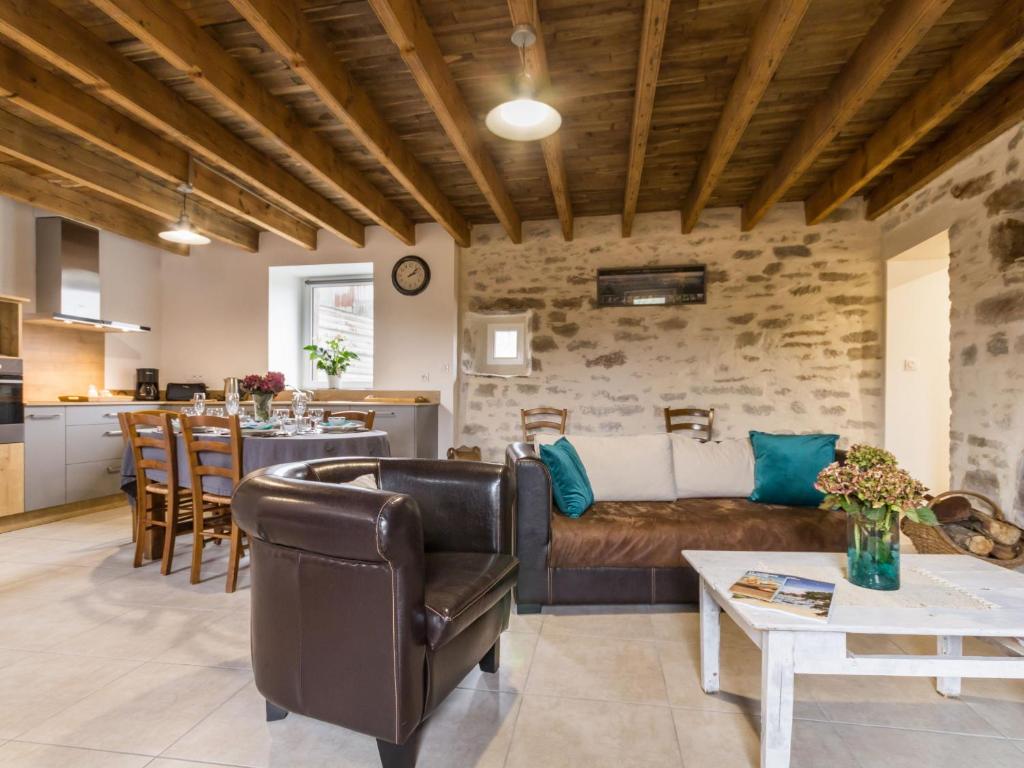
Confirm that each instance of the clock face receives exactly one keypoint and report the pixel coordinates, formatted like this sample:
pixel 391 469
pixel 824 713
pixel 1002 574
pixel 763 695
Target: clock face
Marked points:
pixel 410 275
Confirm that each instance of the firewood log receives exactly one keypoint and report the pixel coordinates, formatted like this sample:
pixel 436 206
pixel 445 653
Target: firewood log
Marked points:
pixel 953 509
pixel 997 530
pixel 972 541
pixel 1004 551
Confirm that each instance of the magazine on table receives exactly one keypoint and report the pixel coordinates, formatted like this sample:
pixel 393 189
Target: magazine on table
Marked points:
pixel 790 594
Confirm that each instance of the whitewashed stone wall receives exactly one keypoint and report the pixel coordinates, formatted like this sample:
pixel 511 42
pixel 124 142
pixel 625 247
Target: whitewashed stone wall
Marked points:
pixel 790 337
pixel 981 202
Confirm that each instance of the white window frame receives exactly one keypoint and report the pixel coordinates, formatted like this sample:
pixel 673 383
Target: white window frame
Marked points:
pixel 520 331
pixel 312 378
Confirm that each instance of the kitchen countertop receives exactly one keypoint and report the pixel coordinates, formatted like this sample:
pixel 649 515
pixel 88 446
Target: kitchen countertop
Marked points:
pixel 369 404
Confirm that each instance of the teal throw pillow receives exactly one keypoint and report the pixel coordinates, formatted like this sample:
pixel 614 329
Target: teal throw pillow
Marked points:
pixel 569 482
pixel 787 466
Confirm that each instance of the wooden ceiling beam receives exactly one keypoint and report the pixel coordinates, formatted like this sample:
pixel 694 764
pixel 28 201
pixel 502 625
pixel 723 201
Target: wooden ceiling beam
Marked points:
pixel 282 24
pixel 773 32
pixel 894 35
pixel 58 102
pixel 526 12
pixel 87 168
pixel 169 31
pixel 405 24
pixel 999 113
pixel 987 53
pixel 44 30
pixel 86 207
pixel 652 40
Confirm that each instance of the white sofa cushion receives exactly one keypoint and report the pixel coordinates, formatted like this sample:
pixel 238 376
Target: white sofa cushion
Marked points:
pixel 625 467
pixel 712 470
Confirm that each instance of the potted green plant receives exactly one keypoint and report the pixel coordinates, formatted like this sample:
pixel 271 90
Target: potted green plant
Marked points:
pixel 873 492
pixel 333 358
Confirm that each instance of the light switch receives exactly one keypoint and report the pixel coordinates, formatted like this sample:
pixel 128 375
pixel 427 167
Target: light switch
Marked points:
pixel 910 364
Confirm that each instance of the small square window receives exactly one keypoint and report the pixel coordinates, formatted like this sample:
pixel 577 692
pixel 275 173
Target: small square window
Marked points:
pixel 505 344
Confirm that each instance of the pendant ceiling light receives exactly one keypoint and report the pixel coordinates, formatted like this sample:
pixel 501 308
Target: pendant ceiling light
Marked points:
pixel 524 117
pixel 182 231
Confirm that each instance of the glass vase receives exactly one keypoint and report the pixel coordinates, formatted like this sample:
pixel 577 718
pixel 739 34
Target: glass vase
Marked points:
pixel 873 551
pixel 261 403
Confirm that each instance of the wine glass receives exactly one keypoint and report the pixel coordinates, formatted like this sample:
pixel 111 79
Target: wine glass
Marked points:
pixel 299 401
pixel 231 403
pixel 316 417
pixel 290 426
pixel 199 403
pixel 215 411
pixel 279 415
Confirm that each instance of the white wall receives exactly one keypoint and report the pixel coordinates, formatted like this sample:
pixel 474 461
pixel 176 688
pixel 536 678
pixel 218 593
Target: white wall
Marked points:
pixel 215 312
pixel 917 388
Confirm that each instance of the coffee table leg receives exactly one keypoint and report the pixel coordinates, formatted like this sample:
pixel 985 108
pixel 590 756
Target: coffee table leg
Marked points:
pixel 776 698
pixel 949 646
pixel 710 639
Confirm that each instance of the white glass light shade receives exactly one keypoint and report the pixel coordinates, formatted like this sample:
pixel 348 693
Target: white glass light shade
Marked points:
pixel 183 232
pixel 523 119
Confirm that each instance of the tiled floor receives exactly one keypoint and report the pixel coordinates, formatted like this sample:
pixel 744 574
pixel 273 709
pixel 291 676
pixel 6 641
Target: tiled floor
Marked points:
pixel 104 666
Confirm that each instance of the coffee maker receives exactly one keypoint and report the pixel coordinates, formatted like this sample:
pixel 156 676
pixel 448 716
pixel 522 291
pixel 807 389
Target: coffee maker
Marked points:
pixel 147 384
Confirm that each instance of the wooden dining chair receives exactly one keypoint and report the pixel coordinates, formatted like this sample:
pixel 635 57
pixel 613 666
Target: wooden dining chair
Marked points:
pixel 536 420
pixel 212 519
pixel 366 417
pixel 697 422
pixel 155 451
pixel 465 453
pixel 126 437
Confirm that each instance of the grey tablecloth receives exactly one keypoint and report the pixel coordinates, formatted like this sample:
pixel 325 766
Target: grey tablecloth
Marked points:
pixel 260 452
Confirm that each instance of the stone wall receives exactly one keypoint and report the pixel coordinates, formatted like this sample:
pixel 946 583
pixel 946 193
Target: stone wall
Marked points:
pixel 790 337
pixel 981 202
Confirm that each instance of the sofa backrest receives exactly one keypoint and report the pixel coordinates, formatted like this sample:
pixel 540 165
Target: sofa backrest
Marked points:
pixel 625 467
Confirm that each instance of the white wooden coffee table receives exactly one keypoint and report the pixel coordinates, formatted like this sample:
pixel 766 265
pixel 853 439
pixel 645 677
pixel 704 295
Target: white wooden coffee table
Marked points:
pixel 949 597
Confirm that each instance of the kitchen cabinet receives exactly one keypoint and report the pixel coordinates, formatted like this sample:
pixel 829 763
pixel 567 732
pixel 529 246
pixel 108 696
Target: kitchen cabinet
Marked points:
pixel 12 470
pixel 412 429
pixel 44 457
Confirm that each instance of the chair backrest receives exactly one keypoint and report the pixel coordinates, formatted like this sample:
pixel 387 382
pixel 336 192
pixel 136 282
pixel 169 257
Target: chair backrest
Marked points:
pixel 153 451
pixel 366 417
pixel 697 422
pixel 201 449
pixel 539 419
pixel 465 453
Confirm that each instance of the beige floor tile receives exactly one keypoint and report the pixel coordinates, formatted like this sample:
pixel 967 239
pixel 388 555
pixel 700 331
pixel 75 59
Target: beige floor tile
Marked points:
pixel 591 667
pixel 48 581
pixel 740 681
pixel 1000 702
pixel 472 729
pixel 685 627
pixel 895 748
pixel 730 740
pixel 65 552
pixel 143 712
pixel 909 702
pixel 599 621
pixel 237 734
pixel 529 623
pixel 17 754
pixel 223 641
pixel 142 633
pixel 40 625
pixel 43 684
pixel 146 586
pixel 167 762
pixel 559 733
pixel 516 656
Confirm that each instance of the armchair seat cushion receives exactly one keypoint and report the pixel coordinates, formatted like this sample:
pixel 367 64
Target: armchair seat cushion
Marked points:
pixel 460 587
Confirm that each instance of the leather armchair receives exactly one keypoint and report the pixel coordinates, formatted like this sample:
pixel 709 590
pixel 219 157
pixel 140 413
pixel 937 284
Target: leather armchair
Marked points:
pixel 369 606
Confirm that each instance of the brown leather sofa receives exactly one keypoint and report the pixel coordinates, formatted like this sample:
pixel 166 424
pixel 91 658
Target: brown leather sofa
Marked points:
pixel 369 607
pixel 630 552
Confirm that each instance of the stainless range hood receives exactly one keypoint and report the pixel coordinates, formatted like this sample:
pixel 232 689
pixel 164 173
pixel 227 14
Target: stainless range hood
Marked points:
pixel 68 278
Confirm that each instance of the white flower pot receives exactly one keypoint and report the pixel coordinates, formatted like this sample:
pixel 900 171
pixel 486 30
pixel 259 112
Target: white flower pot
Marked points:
pixel 334 382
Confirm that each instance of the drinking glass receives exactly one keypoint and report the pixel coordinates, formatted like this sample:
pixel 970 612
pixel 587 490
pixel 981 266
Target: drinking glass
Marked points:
pixel 279 415
pixel 316 417
pixel 231 403
pixel 215 411
pixel 290 426
pixel 199 403
pixel 299 402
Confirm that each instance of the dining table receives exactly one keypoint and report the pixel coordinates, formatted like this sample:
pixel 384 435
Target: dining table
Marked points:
pixel 259 449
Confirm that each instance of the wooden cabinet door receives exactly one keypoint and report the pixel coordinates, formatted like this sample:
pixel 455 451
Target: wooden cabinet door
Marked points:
pixel 12 478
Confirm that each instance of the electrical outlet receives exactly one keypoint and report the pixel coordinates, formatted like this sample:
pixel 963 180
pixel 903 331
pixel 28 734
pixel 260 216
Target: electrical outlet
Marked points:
pixel 425 377
pixel 910 364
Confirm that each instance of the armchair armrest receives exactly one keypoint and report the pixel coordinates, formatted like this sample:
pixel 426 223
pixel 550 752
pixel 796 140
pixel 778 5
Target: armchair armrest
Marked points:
pixel 531 485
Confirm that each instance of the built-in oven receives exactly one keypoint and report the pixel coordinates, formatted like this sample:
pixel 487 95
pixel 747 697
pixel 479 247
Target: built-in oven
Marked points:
pixel 12 404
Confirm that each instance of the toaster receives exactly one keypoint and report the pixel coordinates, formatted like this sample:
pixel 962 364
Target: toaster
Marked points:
pixel 184 392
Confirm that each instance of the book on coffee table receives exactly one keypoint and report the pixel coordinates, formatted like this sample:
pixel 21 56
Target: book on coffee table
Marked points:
pixel 791 594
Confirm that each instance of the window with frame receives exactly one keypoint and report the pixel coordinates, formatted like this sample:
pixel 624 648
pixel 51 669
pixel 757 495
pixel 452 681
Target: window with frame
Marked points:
pixel 505 343
pixel 341 306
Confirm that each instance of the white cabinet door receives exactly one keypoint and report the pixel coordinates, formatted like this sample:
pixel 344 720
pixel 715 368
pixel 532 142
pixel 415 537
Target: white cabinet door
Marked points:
pixel 44 457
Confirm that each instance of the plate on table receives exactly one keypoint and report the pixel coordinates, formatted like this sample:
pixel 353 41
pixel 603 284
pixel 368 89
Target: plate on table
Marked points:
pixel 339 426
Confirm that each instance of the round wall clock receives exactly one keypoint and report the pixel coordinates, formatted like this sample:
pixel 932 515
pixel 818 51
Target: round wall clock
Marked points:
pixel 411 275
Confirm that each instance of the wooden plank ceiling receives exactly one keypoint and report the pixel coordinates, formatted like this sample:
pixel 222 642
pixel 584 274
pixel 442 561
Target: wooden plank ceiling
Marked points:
pixel 383 123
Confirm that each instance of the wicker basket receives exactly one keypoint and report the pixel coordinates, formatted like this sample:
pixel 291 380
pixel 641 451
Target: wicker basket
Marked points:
pixel 933 540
